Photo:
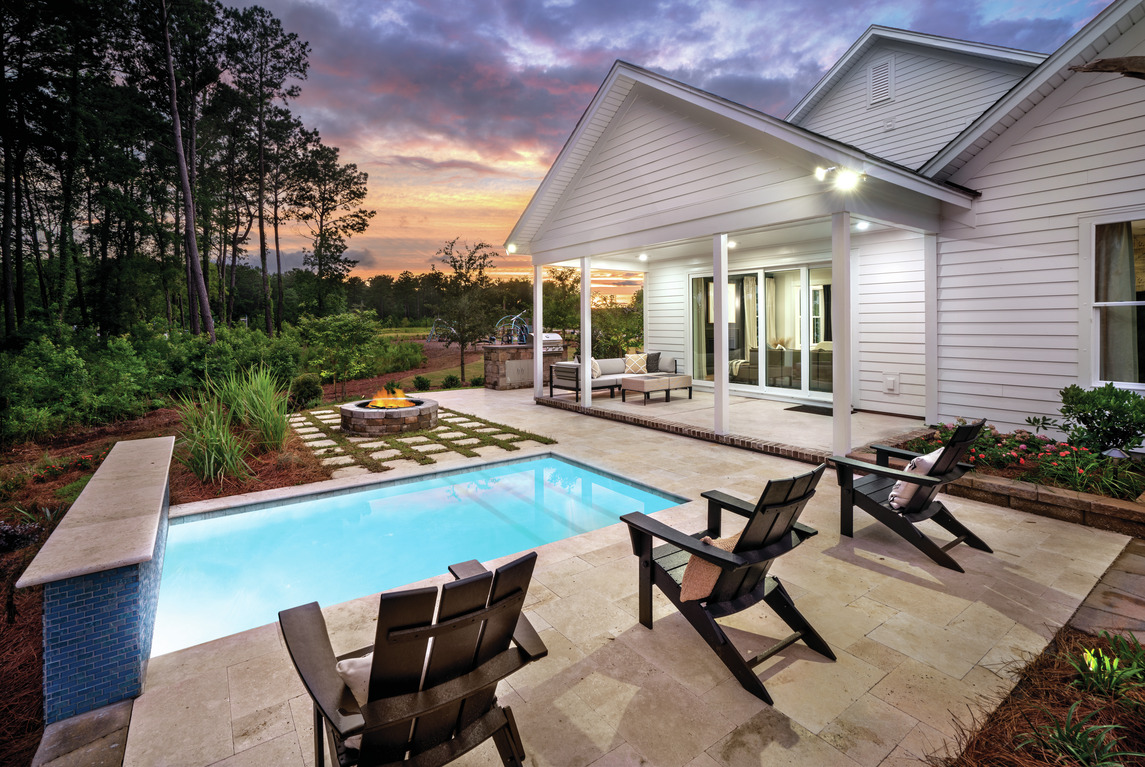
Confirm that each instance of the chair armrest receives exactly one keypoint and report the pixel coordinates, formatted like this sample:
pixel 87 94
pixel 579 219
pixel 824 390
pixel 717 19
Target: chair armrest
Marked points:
pixel 528 640
pixel 729 502
pixel 468 569
pixel 642 523
pixel 882 452
pixel 884 471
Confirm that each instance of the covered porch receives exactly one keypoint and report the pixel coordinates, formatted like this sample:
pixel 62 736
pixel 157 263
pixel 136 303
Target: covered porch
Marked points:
pixel 828 253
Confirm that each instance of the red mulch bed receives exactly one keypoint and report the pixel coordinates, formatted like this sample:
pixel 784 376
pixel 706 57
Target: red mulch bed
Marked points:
pixel 21 697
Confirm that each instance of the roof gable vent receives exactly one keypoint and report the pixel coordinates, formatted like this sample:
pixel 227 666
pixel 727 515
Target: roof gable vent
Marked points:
pixel 881 81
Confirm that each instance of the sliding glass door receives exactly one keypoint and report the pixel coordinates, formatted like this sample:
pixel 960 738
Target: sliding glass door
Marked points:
pixel 779 329
pixel 743 328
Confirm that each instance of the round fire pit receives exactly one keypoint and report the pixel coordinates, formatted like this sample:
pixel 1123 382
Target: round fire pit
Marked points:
pixel 370 421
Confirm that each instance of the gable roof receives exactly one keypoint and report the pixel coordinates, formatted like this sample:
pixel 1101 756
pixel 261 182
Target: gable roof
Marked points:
pixel 615 89
pixel 1086 45
pixel 878 35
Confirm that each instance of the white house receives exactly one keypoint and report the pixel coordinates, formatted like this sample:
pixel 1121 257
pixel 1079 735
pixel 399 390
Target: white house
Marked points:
pixel 938 229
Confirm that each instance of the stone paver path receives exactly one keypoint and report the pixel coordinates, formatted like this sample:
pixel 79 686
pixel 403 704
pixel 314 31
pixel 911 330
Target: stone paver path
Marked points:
pixel 459 435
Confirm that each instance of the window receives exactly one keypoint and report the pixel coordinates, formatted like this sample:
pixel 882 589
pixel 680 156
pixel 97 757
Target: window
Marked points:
pixel 1119 300
pixel 881 81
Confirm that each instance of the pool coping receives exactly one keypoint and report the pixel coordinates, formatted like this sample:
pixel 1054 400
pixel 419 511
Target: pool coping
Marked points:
pixel 264 499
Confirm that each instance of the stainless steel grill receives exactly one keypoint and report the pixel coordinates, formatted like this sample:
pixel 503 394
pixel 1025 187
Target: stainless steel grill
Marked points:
pixel 550 342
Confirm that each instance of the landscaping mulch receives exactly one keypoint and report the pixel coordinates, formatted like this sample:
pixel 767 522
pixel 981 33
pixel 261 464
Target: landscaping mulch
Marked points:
pixel 1044 695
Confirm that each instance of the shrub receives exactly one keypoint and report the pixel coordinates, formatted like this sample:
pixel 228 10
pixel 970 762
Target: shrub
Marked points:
pixel 264 408
pixel 450 382
pixel 1087 471
pixel 421 383
pixel 403 355
pixel 477 381
pixel 209 448
pixel 305 391
pixel 1103 418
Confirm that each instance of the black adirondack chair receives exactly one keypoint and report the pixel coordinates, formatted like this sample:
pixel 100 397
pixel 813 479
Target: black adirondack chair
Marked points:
pixel 871 493
pixel 771 530
pixel 409 720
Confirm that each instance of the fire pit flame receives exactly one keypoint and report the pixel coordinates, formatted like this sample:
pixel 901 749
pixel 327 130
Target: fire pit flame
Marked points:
pixel 384 399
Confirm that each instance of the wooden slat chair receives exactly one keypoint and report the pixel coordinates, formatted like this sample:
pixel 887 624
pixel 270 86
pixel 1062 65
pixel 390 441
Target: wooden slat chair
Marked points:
pixel 871 493
pixel 410 720
pixel 743 580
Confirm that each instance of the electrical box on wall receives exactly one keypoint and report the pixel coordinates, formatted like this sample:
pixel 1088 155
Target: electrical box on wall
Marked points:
pixel 891 383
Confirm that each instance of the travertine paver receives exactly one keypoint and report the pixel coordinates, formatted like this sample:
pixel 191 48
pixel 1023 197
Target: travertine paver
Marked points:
pixel 431 447
pixel 382 455
pixel 306 430
pixel 412 440
pixel 487 429
pixel 451 435
pixel 338 460
pixel 316 435
pixel 503 435
pixel 371 445
pixel 321 443
pixel 611 692
pixel 349 471
pixel 328 450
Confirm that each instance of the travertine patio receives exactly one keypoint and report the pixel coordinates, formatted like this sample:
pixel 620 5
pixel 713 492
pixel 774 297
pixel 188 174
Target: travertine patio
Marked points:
pixel 917 645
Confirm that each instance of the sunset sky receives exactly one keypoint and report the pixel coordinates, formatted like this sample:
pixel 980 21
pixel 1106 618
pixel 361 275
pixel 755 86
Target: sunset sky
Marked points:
pixel 456 108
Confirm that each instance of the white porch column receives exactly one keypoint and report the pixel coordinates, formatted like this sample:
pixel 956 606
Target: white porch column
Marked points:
pixel 841 329
pixel 930 334
pixel 538 327
pixel 586 332
pixel 720 316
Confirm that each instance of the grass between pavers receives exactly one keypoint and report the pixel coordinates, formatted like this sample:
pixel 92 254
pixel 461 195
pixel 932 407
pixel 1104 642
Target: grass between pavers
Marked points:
pixel 352 446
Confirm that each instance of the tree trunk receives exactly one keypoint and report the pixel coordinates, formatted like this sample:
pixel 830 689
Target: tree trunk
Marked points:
pixel 6 242
pixel 262 223
pixel 278 263
pixel 184 179
pixel 40 276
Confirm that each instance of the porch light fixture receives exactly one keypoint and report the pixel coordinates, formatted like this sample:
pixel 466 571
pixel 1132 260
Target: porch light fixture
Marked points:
pixel 845 179
pixel 511 248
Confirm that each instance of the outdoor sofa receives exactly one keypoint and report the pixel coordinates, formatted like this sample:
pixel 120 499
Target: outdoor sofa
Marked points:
pixel 566 375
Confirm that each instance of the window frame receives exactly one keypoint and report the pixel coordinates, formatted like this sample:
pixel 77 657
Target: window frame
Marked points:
pixel 1088 342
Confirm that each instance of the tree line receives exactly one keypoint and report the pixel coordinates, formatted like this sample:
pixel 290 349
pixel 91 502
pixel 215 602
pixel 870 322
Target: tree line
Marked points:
pixel 148 152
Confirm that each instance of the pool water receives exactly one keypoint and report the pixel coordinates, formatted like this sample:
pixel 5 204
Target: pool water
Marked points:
pixel 229 573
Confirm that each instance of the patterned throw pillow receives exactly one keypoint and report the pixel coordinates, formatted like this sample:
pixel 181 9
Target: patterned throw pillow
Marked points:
pixel 635 363
pixel 595 368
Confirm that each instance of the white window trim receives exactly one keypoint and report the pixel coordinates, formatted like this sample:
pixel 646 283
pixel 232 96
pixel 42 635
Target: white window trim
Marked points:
pixel 889 61
pixel 1088 363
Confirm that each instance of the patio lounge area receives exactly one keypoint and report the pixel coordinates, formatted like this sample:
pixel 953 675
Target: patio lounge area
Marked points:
pixel 917 645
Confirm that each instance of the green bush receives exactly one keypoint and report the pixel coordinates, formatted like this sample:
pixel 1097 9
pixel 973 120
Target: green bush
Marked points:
pixel 1103 418
pixel 402 356
pixel 1087 471
pixel 450 382
pixel 477 381
pixel 421 383
pixel 305 391
pixel 208 446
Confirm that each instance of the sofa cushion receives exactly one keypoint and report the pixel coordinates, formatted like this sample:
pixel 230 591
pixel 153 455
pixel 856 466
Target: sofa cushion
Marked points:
pixel 635 364
pixel 611 366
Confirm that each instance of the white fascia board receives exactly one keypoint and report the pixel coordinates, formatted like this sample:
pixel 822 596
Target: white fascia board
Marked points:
pixel 876 33
pixel 1032 90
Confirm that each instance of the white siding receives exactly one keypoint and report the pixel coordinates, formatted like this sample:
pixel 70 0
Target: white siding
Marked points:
pixel 936 95
pixel 666 314
pixel 890 317
pixel 662 161
pixel 1008 286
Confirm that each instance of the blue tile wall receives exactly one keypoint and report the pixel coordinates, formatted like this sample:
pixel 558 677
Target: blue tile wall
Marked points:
pixel 97 634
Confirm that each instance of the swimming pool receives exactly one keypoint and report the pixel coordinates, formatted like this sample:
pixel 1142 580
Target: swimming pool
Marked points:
pixel 227 573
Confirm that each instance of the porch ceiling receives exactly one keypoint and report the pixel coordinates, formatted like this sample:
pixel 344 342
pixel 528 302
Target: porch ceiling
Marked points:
pixel 772 239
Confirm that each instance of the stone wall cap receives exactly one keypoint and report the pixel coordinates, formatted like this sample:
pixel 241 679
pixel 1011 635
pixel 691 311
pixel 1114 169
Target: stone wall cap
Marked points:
pixel 115 521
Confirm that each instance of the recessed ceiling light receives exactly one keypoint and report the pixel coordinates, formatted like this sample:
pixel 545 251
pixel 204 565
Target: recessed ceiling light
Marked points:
pixel 731 243
pixel 862 226
pixel 512 248
pixel 643 256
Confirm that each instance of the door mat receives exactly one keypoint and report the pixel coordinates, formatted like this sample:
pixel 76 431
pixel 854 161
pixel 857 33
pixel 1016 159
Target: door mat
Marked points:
pixel 813 409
